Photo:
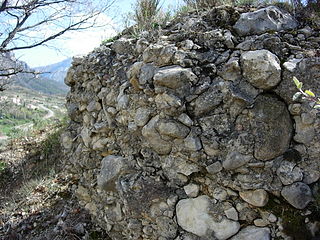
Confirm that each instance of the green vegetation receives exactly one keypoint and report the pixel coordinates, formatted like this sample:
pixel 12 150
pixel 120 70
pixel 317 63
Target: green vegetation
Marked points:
pixel 52 142
pixel 147 15
pixel 109 40
pixel 22 111
pixel 3 166
pixel 306 95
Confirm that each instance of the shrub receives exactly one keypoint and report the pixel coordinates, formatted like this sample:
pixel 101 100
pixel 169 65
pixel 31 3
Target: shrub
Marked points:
pixel 205 3
pixel 148 15
pixel 146 10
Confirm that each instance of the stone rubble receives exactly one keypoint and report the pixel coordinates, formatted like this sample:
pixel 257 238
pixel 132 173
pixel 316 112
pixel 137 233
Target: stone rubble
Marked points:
pixel 190 132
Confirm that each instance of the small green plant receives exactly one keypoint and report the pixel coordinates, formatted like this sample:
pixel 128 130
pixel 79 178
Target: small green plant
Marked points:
pixel 109 40
pixel 3 166
pixel 306 95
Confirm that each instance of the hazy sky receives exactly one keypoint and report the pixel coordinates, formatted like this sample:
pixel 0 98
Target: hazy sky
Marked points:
pixel 78 43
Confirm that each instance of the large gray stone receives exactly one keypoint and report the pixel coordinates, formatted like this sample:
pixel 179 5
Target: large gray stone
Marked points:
pixel 264 20
pixel 289 173
pixel 123 46
pixel 193 215
pixel 111 168
pixel 173 129
pixel 207 101
pixel 151 53
pixel 153 137
pixel 235 160
pixel 261 68
pixel 253 233
pixel 174 77
pixel 298 194
pixel 272 127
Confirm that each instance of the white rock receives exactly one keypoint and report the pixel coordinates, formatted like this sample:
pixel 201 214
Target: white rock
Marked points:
pixel 261 68
pixel 192 190
pixel 232 214
pixel 193 215
pixel 272 218
pixel 174 77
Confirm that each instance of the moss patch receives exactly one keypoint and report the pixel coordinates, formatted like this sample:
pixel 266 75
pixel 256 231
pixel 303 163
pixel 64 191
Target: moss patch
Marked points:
pixel 292 221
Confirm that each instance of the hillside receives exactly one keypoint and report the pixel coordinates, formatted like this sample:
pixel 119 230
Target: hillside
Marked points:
pixel 22 110
pixel 32 81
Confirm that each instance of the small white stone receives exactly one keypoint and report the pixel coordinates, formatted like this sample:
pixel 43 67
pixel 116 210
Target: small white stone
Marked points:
pixel 260 222
pixel 272 218
pixel 232 214
pixel 220 194
pixel 192 190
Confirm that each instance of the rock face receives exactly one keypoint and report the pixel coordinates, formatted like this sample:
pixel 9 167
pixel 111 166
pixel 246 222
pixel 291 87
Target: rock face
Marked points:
pixel 187 132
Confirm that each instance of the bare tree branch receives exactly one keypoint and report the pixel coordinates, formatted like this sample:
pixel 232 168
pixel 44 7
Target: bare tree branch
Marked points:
pixel 31 23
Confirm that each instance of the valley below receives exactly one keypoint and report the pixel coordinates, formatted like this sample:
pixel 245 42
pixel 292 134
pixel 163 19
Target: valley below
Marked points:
pixel 23 110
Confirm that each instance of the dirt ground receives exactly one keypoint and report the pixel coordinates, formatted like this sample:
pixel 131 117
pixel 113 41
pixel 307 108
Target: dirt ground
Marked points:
pixel 36 195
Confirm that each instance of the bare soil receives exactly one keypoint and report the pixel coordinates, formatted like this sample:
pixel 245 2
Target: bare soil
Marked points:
pixel 36 195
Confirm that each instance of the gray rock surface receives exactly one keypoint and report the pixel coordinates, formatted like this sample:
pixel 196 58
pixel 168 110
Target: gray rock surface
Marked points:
pixel 297 194
pixel 289 173
pixel 111 168
pixel 234 160
pixel 264 20
pixel 261 68
pixel 258 198
pixel 272 127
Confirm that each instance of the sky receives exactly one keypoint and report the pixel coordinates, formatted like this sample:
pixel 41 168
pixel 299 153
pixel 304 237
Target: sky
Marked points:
pixel 82 42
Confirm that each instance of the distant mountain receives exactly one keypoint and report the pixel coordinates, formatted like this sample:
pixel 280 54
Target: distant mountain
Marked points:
pixel 56 71
pixel 42 85
pixel 29 80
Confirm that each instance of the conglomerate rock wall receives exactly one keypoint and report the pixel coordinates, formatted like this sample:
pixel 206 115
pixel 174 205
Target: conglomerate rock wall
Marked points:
pixel 190 132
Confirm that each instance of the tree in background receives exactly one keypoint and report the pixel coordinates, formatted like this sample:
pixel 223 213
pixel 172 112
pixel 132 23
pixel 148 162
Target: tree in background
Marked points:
pixel 31 23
